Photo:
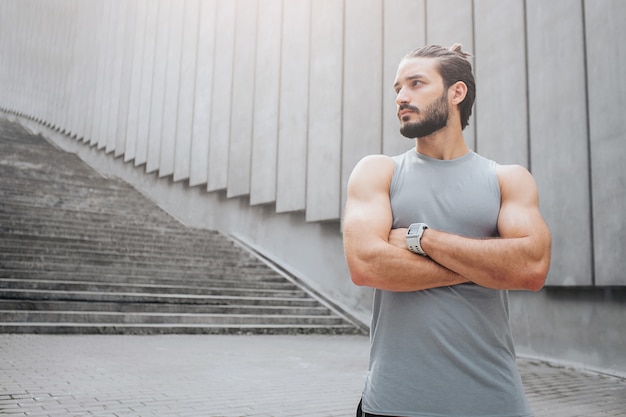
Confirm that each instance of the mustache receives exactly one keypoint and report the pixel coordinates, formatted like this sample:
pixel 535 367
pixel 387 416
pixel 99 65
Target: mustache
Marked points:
pixel 406 106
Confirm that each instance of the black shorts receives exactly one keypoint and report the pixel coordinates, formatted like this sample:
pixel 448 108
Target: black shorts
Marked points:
pixel 360 413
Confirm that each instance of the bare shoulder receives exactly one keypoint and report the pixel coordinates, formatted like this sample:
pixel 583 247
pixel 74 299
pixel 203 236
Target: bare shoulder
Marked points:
pixel 372 170
pixel 516 182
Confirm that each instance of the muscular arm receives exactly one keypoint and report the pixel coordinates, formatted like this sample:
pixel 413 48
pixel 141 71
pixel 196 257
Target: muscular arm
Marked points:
pixel 372 260
pixel 518 259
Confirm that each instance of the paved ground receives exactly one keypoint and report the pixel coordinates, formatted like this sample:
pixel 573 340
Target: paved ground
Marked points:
pixel 210 376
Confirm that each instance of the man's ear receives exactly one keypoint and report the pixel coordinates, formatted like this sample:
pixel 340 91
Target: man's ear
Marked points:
pixel 457 92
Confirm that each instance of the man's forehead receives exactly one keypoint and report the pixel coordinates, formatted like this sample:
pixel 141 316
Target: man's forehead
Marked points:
pixel 410 68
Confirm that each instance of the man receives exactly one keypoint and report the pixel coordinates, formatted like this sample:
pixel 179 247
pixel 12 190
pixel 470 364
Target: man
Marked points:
pixel 441 234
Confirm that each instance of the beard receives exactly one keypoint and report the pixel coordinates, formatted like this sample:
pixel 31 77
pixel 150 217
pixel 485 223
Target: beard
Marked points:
pixel 434 117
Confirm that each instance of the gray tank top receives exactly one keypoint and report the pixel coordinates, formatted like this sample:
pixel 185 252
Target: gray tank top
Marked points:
pixel 445 351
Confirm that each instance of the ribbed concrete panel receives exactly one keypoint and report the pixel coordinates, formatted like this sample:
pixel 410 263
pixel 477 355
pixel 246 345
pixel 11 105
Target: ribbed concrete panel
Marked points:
pixel 105 42
pixel 159 75
pixel 362 91
pixel 172 89
pixel 127 52
pixel 449 22
pixel 294 107
pixel 323 192
pixel 76 89
pixel 558 132
pixel 11 42
pixel 6 43
pixel 201 130
pixel 184 121
pixel 114 93
pixel 148 71
pixel 267 88
pixel 404 30
pixel 134 93
pixel 113 76
pixel 70 95
pixel 240 152
pixel 57 66
pixel 606 60
pixel 500 71
pixel 100 31
pixel 93 10
pixel 222 95
pixel 82 90
pixel 64 10
pixel 45 79
pixel 20 39
pixel 222 89
pixel 199 165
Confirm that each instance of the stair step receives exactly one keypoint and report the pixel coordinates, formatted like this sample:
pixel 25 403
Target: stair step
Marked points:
pixel 171 308
pixel 25 294
pixel 77 286
pixel 191 279
pixel 111 318
pixel 146 329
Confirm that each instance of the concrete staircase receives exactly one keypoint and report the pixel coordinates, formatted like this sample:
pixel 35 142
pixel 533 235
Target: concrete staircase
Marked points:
pixel 80 253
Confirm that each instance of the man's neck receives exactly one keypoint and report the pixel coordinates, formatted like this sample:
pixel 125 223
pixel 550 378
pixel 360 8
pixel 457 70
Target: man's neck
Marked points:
pixel 443 144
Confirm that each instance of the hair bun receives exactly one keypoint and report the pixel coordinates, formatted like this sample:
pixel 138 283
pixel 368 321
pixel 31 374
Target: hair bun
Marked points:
pixel 456 48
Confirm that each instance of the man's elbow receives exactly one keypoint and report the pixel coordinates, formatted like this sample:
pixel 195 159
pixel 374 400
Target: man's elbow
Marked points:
pixel 536 276
pixel 360 274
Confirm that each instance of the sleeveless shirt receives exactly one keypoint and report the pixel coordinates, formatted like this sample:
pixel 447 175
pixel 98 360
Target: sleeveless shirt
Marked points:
pixel 445 351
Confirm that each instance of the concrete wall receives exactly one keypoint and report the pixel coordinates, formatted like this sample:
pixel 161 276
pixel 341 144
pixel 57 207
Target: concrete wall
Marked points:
pixel 247 116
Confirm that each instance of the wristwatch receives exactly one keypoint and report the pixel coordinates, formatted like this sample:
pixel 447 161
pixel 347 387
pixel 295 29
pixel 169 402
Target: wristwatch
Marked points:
pixel 413 237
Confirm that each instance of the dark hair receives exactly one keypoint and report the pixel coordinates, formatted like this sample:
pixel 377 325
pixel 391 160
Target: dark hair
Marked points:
pixel 453 66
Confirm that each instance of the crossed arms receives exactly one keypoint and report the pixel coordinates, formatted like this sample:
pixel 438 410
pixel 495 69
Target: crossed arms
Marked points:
pixel 377 255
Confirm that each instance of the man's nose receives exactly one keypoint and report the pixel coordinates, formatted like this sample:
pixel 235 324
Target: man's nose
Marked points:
pixel 401 97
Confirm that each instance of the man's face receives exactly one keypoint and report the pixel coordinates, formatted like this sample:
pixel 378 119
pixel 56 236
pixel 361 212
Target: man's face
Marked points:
pixel 421 99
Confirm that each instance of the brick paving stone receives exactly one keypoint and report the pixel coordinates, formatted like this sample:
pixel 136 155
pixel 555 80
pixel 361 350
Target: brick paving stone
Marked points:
pixel 236 376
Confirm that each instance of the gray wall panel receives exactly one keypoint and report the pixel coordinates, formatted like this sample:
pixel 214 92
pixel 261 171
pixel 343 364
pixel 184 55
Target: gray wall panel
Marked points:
pixel 323 194
pixel 109 64
pixel 362 92
pixel 172 89
pixel 265 116
pixel 100 48
pixel 148 72
pixel 72 68
pixel 134 99
pixel 7 43
pixel 404 30
pixel 558 132
pixel 501 114
pixel 199 164
pixel 240 152
pixel 184 121
pixel 117 62
pixel 294 107
pixel 128 54
pixel 76 89
pixel 449 22
pixel 158 86
pixel 222 97
pixel 606 61
pixel 94 8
